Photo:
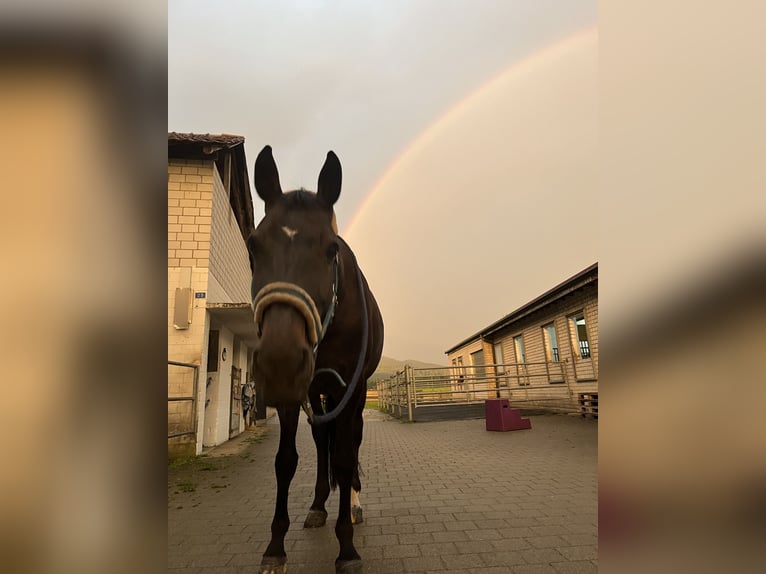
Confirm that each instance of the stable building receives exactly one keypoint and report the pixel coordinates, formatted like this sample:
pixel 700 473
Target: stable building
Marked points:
pixel 542 355
pixel 211 332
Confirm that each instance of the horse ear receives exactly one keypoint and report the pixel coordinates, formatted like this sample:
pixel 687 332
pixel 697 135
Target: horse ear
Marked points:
pixel 328 188
pixel 266 176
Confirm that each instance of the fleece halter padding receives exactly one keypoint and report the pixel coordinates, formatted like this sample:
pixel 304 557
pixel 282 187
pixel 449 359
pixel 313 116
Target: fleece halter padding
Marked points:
pixel 291 294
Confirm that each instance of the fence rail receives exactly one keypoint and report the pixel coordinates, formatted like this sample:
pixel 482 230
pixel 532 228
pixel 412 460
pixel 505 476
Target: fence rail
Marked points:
pixel 544 385
pixel 182 421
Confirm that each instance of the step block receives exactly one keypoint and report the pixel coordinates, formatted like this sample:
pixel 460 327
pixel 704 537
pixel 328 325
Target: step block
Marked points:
pixel 500 416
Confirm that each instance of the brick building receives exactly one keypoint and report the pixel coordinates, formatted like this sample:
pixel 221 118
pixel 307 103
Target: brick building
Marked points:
pixel 210 324
pixel 544 353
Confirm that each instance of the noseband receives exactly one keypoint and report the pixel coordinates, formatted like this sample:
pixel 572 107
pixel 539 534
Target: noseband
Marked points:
pixel 297 297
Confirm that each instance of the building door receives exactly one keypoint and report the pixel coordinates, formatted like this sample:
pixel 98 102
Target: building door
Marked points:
pixel 236 401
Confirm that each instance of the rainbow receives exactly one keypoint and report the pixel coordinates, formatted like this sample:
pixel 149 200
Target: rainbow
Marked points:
pixel 427 135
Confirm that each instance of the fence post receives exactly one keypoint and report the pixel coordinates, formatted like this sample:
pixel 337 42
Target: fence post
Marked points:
pixel 195 386
pixel 408 382
pixel 568 382
pixel 526 392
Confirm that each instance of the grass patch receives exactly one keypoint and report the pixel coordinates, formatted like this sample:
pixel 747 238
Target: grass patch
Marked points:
pixel 181 462
pixel 186 486
pixel 374 405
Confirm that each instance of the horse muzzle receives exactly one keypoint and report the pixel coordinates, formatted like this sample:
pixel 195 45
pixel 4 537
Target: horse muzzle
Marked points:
pixel 286 319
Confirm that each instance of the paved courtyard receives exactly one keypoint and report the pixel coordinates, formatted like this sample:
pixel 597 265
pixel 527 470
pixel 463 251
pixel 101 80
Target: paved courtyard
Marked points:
pixel 437 497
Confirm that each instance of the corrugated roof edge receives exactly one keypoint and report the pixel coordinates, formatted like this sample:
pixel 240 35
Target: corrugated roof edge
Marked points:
pixel 575 282
pixel 225 139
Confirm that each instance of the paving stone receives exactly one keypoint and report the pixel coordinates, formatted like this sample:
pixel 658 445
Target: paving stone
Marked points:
pixel 387 566
pixel 510 544
pixel 483 534
pixel 579 552
pixel 401 551
pixel 533 569
pixel 471 562
pixel 449 536
pixel 576 567
pixel 431 563
pixel 546 541
pixel 542 555
pixel 500 558
pixel 472 546
pixel 438 549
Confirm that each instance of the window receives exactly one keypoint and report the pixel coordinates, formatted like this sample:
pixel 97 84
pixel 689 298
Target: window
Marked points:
pixel 518 343
pixel 580 334
pixel 551 343
pixel 521 358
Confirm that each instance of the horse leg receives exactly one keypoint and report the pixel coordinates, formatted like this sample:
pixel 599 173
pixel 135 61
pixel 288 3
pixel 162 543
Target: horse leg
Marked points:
pixel 317 515
pixel 343 462
pixel 357 517
pixel 274 559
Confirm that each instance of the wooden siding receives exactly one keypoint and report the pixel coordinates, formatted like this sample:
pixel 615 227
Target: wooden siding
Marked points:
pixel 581 375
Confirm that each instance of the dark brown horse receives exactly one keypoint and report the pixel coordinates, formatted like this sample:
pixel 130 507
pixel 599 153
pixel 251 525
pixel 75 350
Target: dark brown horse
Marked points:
pixel 320 339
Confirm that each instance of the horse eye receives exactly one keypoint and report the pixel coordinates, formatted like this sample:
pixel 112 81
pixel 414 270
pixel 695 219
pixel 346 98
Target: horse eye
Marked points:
pixel 332 250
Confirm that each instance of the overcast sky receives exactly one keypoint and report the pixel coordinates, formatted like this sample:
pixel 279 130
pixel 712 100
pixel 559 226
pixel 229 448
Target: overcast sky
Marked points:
pixel 466 127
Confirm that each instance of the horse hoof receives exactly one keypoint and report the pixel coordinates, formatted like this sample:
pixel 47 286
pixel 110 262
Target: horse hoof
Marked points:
pixel 273 565
pixel 356 515
pixel 349 567
pixel 315 519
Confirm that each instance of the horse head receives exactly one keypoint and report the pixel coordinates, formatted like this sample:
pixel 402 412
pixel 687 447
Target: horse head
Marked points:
pixel 294 258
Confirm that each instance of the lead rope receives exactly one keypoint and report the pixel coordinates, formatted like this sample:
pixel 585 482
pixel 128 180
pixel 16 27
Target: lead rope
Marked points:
pixel 327 417
pixel 325 325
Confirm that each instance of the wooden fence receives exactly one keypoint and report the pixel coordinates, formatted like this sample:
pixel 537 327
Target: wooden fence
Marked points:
pixel 460 391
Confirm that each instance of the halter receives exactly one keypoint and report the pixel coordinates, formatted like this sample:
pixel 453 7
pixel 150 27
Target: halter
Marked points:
pixel 282 292
pixel 292 294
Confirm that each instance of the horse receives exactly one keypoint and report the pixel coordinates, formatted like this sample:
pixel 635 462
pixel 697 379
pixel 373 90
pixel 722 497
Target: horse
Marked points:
pixel 319 338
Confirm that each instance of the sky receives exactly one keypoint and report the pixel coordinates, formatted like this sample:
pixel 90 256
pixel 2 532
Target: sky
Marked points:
pixel 467 132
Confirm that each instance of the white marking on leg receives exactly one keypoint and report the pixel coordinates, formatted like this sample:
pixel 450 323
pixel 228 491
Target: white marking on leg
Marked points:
pixel 289 231
pixel 356 507
pixel 354 498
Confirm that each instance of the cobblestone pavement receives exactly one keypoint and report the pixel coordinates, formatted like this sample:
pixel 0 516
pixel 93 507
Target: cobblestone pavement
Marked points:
pixel 437 497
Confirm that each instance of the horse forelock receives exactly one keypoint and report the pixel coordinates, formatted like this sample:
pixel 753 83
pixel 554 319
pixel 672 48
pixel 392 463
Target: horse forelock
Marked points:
pixel 300 200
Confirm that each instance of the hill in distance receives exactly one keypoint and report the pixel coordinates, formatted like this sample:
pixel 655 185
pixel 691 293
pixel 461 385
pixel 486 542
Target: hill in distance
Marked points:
pixel 389 366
